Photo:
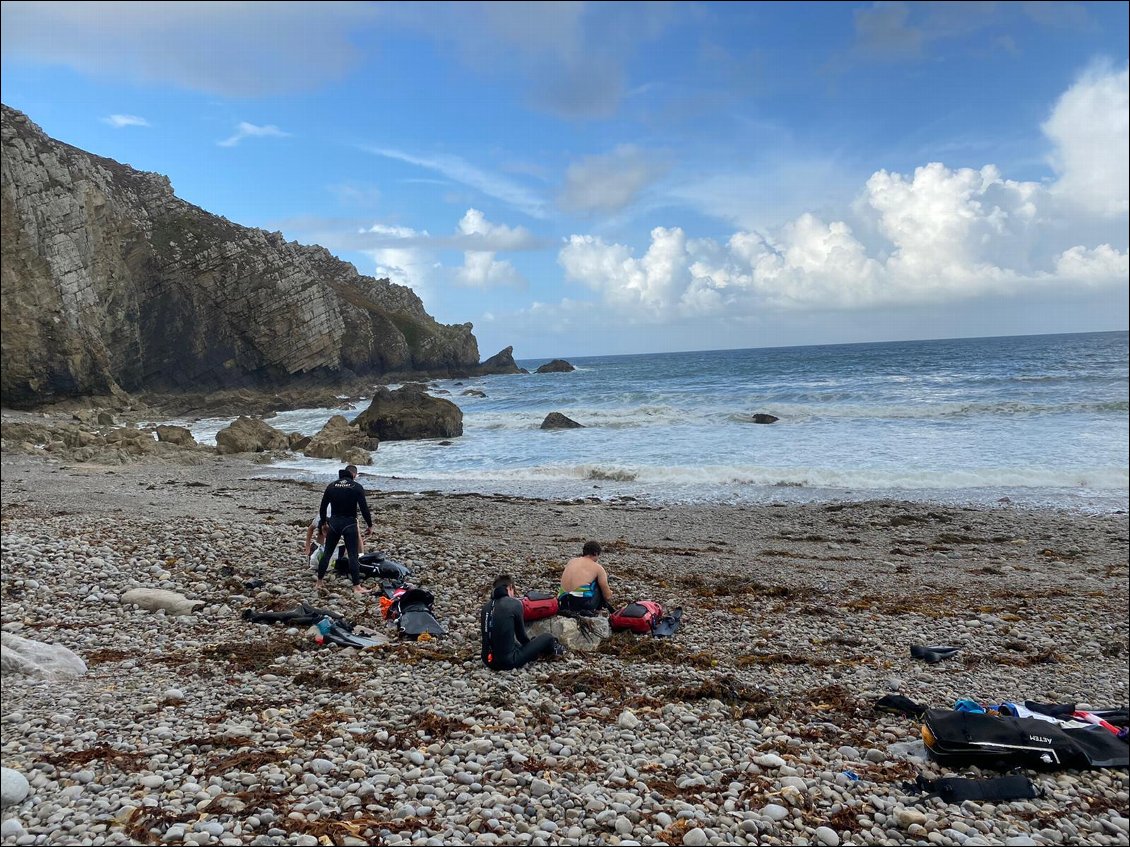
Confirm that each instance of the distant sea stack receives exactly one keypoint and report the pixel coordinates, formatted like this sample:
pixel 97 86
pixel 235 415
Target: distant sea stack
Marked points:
pixel 111 282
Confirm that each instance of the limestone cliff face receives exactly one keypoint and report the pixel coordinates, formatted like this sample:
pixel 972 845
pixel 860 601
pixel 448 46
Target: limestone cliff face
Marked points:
pixel 111 282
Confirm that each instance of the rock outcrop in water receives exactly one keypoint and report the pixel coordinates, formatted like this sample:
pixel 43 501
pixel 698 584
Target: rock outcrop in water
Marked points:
pixel 110 283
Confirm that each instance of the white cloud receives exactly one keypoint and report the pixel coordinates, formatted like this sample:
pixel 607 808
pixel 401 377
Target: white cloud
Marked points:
pixel 232 49
pixel 246 130
pixel 409 256
pixel 1090 126
pixel 936 236
pixel 610 182
pixel 409 265
pixel 455 168
pixel 480 268
pixel 120 121
pixel 492 236
pixel 1093 267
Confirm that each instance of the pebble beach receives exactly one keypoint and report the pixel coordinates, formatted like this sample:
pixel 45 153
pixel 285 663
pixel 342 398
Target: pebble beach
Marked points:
pixel 752 725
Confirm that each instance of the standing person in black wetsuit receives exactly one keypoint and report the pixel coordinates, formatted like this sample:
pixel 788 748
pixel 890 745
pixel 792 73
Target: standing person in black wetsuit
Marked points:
pixel 505 643
pixel 345 497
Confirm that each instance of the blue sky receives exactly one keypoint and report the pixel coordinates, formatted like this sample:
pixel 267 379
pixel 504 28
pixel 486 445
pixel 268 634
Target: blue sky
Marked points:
pixel 582 179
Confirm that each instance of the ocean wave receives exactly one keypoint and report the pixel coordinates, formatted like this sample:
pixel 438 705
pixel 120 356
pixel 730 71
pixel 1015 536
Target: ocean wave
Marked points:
pixel 1098 479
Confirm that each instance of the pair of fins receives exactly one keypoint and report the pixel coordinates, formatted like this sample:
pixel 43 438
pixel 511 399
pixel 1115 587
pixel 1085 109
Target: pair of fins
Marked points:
pixel 932 655
pixel 668 625
pixel 340 636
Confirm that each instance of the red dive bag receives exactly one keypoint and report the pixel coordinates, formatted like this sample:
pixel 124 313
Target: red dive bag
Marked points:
pixel 640 617
pixel 537 605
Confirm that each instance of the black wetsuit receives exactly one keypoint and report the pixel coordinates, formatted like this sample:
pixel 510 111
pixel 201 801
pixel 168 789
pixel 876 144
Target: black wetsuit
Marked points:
pixel 345 497
pixel 505 643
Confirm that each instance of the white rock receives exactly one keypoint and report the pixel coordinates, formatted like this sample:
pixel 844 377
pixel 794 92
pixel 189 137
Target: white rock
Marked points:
pixel 156 599
pixel 770 760
pixel 774 812
pixel 827 835
pixel 909 817
pixel 14 787
pixel 34 658
pixel 11 828
pixel 695 837
pixel 628 719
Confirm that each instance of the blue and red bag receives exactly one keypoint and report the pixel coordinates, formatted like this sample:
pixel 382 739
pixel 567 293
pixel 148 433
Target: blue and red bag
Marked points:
pixel 537 605
pixel 640 617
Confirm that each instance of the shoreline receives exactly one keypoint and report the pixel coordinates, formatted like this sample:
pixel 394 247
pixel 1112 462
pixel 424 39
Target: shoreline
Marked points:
pixel 797 618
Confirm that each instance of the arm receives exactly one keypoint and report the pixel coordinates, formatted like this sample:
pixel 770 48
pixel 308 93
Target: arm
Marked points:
pixel 363 503
pixel 602 581
pixel 322 508
pixel 309 538
pixel 520 624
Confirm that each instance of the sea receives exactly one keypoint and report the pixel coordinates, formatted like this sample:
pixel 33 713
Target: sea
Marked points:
pixel 1034 421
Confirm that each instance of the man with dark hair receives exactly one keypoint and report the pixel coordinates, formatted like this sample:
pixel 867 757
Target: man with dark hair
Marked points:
pixel 505 643
pixel 584 583
pixel 344 497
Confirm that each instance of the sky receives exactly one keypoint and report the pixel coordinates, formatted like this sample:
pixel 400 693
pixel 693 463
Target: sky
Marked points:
pixel 602 178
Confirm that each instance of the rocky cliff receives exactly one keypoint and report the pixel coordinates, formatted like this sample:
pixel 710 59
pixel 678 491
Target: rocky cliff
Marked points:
pixel 111 282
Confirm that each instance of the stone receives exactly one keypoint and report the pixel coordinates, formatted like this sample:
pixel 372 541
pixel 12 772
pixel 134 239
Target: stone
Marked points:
pixel 34 658
pixel 11 828
pixel 14 787
pixel 409 413
pixel 501 362
pixel 557 366
pixel 827 836
pixel 338 438
pixel 762 418
pixel 154 599
pixel 770 760
pixel 695 837
pixel 179 435
pixel 249 435
pixel 556 420
pixel 628 719
pixel 583 634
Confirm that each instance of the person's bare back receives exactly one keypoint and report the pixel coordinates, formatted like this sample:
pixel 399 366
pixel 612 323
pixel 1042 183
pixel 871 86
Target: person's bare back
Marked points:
pixel 584 575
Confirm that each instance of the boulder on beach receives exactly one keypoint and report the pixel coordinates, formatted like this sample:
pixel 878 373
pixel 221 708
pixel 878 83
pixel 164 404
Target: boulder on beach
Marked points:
pixel 339 437
pixel 556 420
pixel 557 366
pixel 473 392
pixel 762 418
pixel 409 412
pixel 583 634
pixel 297 442
pixel 249 435
pixel 178 435
pixel 34 658
pixel 154 599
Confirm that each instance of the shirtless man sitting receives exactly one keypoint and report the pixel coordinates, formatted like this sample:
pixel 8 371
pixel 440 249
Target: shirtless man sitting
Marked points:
pixel 584 583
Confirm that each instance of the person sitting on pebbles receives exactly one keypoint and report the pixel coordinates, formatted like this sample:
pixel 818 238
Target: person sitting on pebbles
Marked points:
pixel 505 643
pixel 584 583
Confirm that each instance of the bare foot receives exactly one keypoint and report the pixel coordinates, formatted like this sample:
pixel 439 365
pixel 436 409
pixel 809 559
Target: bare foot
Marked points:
pixel 320 586
pixel 357 589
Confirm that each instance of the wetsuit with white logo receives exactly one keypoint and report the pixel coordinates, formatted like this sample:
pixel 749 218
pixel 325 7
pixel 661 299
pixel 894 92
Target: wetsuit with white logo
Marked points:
pixel 344 497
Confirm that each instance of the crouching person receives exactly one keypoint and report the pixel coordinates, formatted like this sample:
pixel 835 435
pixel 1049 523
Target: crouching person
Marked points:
pixel 505 643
